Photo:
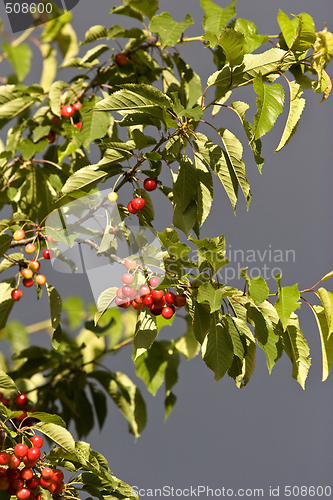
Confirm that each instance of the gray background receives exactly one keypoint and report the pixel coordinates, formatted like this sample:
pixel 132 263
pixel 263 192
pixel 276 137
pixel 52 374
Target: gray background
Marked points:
pixel 271 433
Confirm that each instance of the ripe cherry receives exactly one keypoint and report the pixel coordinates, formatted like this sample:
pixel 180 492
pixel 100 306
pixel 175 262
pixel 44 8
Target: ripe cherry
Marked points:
pixel 159 302
pixel 149 184
pixel 23 494
pixel 112 196
pixel 78 125
pixel 19 235
pixel 34 265
pixel 148 300
pixel 137 306
pixel 37 441
pixel 4 484
pixel 157 294
pixel 154 281
pixel 67 111
pixel 21 450
pixel 4 458
pixel 167 312
pixel 130 264
pixel 131 209
pixel 14 462
pixel 138 204
pixel 29 463
pixel 28 282
pixel 144 290
pixel 121 59
pixel 59 487
pixel 127 278
pixel 21 400
pixel 27 273
pixel 58 475
pixel 180 300
pixel 17 484
pixel 119 293
pixel 16 294
pixel 128 291
pixel 51 137
pixel 156 311
pixel 77 105
pixel 47 254
pixel 47 473
pixel 27 473
pixel 170 298
pixel 55 120
pixel 30 248
pixel 41 279
pixel 33 453
pixel 33 483
pixel 124 303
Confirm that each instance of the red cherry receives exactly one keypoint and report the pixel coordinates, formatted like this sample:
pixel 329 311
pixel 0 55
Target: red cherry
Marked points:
pixel 47 254
pixel 21 450
pixel 124 303
pixel 131 209
pixel 29 463
pixel 18 483
pixel 121 59
pixel 144 290
pixel 4 484
pixel 157 294
pixel 45 482
pixel 34 265
pixel 21 400
pixel 59 487
pixel 16 294
pixel 23 494
pixel 180 300
pixel 52 487
pixel 51 137
pixel 154 281
pixel 37 441
pixel 78 125
pixel 128 291
pixel 67 111
pixel 28 282
pixel 27 473
pixel 156 311
pixel 167 312
pixel 14 462
pixel 127 278
pixel 3 472
pixel 170 298
pixel 77 105
pixel 149 184
pixel 130 264
pixel 4 458
pixel 13 474
pixel 47 473
pixel 119 293
pixel 33 483
pixel 33 453
pixel 137 306
pixel 58 475
pixel 138 204
pixel 55 120
pixel 159 302
pixel 148 300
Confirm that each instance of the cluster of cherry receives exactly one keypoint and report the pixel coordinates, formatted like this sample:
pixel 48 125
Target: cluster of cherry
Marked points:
pixel 21 402
pixel 29 273
pixel 22 472
pixel 157 301
pixel 66 112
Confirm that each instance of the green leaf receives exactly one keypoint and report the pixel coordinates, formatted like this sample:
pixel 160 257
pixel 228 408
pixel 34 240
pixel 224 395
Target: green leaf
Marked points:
pixel 201 322
pixel 258 289
pixel 134 96
pixel 216 18
pixel 29 148
pixel 20 58
pixel 145 332
pixel 55 95
pixel 74 308
pixel 187 344
pixel 326 298
pixel 94 124
pixel 6 301
pixel 169 403
pixel 299 35
pixel 232 43
pixel 204 188
pixel 269 105
pixel 217 349
pixel 100 404
pixel 5 241
pixel 185 186
pixel 50 66
pixel 326 341
pixel 55 308
pixel 151 367
pixel 58 434
pixel 95 33
pixel 297 349
pixel 190 89
pixel 48 418
pixel 104 301
pixel 295 110
pixel 67 41
pixel 92 54
pixel 252 40
pixel 287 301
pixel 185 220
pixel 169 30
pixel 241 108
pixel 146 7
pixel 233 157
pixel 83 180
pixel 267 331
pixel 211 252
pixel 6 382
pixel 207 293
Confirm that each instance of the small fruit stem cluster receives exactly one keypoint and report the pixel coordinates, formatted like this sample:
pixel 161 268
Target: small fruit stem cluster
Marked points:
pixel 155 300
pixel 22 473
